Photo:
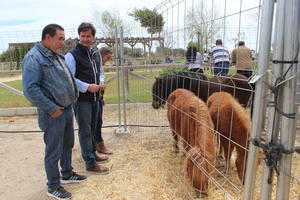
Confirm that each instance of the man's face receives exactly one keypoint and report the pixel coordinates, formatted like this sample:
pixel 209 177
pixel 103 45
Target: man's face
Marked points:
pixel 86 38
pixel 106 58
pixel 56 42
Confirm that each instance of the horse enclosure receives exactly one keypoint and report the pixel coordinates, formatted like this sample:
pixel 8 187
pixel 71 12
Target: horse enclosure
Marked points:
pixel 255 120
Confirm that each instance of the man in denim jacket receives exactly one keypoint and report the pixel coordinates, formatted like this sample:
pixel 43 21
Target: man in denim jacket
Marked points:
pixel 49 85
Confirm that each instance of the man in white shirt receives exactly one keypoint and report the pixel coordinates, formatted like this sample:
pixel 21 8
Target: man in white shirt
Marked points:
pixel 221 58
pixel 84 62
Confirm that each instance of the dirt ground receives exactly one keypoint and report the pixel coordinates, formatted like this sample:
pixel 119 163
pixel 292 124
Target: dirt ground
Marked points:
pixel 144 166
pixel 23 176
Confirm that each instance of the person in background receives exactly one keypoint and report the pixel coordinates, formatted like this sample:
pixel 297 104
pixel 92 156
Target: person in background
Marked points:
pixel 205 56
pixel 49 85
pixel 84 61
pixel 169 59
pixel 241 57
pixel 253 54
pixel 221 58
pixel 193 60
pixel 106 54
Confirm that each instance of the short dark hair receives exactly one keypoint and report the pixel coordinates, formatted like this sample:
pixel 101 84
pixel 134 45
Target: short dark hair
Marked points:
pixel 84 26
pixel 51 30
pixel 191 54
pixel 241 43
pixel 218 41
pixel 105 51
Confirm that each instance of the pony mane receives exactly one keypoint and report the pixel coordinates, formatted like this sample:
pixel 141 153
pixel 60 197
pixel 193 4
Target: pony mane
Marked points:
pixel 184 74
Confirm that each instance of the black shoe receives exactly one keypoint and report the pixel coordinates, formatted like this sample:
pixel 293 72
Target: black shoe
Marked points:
pixel 74 178
pixel 59 193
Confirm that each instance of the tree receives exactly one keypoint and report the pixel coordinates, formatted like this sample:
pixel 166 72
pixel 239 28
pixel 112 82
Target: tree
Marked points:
pixel 149 19
pixel 198 46
pixel 200 26
pixel 238 37
pixel 14 54
pixel 133 52
pixel 108 22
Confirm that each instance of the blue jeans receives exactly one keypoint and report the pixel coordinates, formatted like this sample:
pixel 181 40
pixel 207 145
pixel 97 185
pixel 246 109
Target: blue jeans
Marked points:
pixel 98 134
pixel 221 68
pixel 86 113
pixel 59 141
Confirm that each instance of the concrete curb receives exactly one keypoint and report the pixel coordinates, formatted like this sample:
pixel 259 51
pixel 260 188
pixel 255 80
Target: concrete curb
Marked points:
pixel 9 112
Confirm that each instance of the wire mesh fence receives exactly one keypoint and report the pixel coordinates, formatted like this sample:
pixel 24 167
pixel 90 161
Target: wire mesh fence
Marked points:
pixel 151 62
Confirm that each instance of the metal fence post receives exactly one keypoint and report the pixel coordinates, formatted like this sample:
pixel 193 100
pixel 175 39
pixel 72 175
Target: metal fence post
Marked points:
pixel 273 116
pixel 122 128
pixel 117 56
pixel 288 128
pixel 259 99
pixel 123 77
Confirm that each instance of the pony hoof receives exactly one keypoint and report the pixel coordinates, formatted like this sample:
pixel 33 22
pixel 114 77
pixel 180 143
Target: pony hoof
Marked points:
pixel 176 150
pixel 202 194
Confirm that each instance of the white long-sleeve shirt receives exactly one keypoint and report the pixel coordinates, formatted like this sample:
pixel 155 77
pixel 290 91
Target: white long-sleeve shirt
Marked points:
pixel 197 63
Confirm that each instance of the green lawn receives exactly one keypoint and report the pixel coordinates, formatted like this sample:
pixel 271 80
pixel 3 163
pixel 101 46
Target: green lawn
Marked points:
pixel 11 100
pixel 140 90
pixel 8 75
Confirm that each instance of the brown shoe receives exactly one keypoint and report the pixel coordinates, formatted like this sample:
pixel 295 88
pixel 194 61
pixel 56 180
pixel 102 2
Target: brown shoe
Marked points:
pixel 101 159
pixel 99 169
pixel 100 147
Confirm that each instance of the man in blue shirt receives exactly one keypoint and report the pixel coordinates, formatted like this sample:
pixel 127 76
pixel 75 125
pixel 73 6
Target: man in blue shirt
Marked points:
pixel 49 85
pixel 85 63
pixel 221 58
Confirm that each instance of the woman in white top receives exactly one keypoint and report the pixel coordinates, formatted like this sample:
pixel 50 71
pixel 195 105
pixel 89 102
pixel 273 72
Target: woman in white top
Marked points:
pixel 193 60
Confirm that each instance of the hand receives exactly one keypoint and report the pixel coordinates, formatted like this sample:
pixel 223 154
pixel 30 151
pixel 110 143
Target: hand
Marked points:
pixel 93 88
pixel 102 86
pixel 58 112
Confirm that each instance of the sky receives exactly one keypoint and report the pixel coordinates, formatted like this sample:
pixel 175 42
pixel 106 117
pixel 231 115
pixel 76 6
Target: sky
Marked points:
pixel 24 19
pixel 68 13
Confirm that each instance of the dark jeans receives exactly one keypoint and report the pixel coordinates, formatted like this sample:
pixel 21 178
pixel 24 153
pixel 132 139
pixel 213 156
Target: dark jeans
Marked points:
pixel 245 72
pixel 98 134
pixel 86 113
pixel 199 70
pixel 59 141
pixel 221 68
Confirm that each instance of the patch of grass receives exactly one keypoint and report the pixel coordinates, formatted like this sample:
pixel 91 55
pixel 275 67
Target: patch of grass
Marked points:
pixel 140 90
pixel 16 84
pixel 8 75
pixel 11 100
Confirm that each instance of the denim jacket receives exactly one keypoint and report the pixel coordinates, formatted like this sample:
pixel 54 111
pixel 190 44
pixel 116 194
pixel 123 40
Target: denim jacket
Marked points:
pixel 45 83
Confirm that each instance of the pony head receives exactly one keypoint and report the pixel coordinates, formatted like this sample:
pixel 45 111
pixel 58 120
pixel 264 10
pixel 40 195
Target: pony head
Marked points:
pixel 158 93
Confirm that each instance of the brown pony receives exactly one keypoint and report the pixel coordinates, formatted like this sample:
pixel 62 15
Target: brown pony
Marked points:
pixel 235 84
pixel 189 119
pixel 233 123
